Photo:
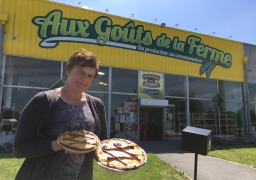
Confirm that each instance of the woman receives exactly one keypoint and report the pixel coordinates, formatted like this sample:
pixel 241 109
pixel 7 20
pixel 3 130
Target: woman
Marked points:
pixel 53 112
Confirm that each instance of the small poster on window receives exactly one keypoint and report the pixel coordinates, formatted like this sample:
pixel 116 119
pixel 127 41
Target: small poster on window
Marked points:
pixel 117 118
pixel 126 108
pixel 117 126
pixel 122 118
pixel 120 110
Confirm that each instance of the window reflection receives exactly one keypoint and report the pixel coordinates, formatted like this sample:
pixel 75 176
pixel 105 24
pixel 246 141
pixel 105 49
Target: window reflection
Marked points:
pixel 175 117
pixel 232 118
pixel 103 97
pixel 203 114
pixel 124 80
pixel 252 92
pixel 202 88
pixel 23 71
pixel 174 85
pixel 230 90
pixel 253 116
pixel 16 99
pixel 101 82
pixel 124 116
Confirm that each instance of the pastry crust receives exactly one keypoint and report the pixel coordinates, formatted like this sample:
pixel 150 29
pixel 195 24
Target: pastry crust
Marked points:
pixel 79 140
pixel 120 154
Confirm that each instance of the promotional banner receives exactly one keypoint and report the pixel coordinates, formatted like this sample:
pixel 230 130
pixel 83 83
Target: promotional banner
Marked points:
pixel 151 85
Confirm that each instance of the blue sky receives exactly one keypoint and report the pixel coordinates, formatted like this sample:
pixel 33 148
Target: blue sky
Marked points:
pixel 219 18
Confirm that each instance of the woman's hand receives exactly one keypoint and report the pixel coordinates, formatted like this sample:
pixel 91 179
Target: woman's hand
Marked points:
pixel 56 146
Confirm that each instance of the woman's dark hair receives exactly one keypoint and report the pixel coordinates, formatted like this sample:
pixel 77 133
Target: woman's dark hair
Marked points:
pixel 83 58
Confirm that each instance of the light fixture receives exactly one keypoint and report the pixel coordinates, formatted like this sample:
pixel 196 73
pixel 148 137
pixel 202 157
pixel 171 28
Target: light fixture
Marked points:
pixel 154 21
pixel 163 25
pixel 194 29
pixel 213 33
pixel 106 10
pixel 132 16
pixel 102 83
pixel 79 3
pixel 229 36
pixel 176 25
pixel 101 73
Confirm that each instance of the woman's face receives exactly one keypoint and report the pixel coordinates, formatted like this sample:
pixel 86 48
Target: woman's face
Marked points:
pixel 80 78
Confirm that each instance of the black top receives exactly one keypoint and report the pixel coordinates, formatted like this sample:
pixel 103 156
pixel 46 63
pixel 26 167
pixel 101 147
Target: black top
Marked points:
pixel 33 137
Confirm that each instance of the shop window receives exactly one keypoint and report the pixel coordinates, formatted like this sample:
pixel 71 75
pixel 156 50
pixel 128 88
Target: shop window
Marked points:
pixel 231 90
pixel 203 114
pixel 13 102
pixel 202 88
pixel 253 116
pixel 252 92
pixel 103 97
pixel 124 80
pixel 232 118
pixel 101 82
pixel 174 85
pixel 175 117
pixel 21 71
pixel 124 116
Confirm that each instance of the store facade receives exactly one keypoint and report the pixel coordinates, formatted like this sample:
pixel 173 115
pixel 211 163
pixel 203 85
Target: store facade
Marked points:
pixel 154 80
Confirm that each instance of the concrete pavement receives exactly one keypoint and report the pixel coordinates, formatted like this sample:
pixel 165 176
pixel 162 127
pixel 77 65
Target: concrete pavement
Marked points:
pixel 208 168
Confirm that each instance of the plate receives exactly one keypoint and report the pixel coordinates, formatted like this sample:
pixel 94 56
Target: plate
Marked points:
pixel 127 170
pixel 124 142
pixel 76 151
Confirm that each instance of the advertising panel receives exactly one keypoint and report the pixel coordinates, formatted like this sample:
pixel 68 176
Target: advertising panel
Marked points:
pixel 151 85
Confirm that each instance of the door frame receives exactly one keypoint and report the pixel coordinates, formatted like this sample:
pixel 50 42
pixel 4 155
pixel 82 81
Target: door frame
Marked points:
pixel 164 116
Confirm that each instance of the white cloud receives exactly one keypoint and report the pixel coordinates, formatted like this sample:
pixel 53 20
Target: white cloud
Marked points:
pixel 85 7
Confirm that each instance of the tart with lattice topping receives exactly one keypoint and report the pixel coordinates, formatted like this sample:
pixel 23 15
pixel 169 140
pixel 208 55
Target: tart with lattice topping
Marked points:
pixel 79 140
pixel 120 155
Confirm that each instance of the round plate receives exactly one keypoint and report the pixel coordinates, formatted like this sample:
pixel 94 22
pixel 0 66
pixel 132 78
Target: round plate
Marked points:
pixel 76 151
pixel 125 170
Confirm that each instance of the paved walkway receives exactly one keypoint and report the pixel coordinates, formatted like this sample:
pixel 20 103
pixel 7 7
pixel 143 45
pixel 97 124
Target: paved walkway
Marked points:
pixel 208 168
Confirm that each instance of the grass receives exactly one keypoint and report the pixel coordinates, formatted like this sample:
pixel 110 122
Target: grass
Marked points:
pixel 240 153
pixel 9 166
pixel 155 168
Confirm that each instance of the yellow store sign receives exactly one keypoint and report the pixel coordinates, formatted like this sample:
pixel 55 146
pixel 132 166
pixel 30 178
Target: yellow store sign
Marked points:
pixel 54 31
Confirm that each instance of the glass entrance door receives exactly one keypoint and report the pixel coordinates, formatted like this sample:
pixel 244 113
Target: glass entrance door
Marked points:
pixel 169 121
pixel 150 123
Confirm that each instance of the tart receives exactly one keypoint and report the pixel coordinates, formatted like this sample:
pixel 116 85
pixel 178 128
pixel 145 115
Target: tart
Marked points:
pixel 120 155
pixel 79 140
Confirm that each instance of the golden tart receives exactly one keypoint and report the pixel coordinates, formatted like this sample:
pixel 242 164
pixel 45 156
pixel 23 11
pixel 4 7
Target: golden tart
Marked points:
pixel 120 155
pixel 79 140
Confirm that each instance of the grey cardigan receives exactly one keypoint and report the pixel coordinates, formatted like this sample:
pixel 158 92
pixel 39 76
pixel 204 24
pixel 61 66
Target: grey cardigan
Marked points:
pixel 32 142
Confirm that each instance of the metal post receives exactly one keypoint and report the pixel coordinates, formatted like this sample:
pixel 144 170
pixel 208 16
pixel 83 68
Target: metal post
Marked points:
pixel 195 167
pixel 248 119
pixel 1 62
pixel 219 120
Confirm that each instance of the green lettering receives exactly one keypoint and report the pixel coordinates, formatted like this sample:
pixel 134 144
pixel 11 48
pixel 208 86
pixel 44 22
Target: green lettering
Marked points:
pixel 83 26
pixel 147 40
pixel 167 43
pixel 125 35
pixel 199 50
pixel 72 28
pixel 227 60
pixel 206 50
pixel 160 40
pixel 132 36
pixel 116 33
pixel 138 36
pixel 103 36
pixel 63 27
pixel 47 21
pixel 216 55
pixel 192 41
